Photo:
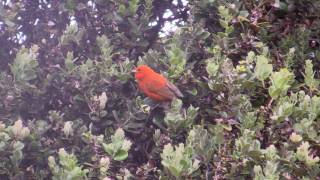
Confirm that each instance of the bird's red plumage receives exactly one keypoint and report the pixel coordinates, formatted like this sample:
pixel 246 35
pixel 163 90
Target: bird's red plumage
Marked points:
pixel 154 85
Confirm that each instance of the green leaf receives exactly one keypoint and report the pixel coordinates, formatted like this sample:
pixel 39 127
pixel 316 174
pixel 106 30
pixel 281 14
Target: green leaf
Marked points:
pixel 119 146
pixel 281 82
pixel 263 69
pixel 121 155
pixel 212 67
pixel 70 4
pixel 67 167
pixel 202 142
pixel 178 160
pixel 69 65
pixel 108 148
pixel 309 80
pixel 18 146
pixel 302 154
pixel 250 57
pixel 24 67
pixel 177 118
pixel 284 110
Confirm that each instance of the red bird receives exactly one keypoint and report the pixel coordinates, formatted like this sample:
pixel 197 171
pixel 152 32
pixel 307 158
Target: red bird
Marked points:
pixel 154 85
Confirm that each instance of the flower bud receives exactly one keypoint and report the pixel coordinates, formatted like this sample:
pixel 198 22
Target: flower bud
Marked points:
pixel 18 131
pixel 67 128
pixel 295 137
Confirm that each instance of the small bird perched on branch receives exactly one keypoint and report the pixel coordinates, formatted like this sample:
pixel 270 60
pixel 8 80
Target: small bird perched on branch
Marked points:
pixel 154 85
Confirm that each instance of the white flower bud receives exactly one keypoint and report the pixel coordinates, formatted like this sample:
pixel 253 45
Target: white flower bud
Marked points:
pixel 119 133
pixel 126 145
pixel 67 128
pixel 104 162
pixel 51 161
pixel 103 100
pixel 62 152
pixel 295 137
pixel 18 131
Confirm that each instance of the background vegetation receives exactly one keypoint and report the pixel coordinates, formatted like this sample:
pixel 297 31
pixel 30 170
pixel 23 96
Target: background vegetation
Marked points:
pixel 70 108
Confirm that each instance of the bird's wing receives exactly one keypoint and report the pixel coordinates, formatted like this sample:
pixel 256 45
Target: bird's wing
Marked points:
pixel 168 91
pixel 174 89
pixel 163 91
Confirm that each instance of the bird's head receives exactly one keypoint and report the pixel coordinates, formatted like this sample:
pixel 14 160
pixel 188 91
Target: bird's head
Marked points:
pixel 142 71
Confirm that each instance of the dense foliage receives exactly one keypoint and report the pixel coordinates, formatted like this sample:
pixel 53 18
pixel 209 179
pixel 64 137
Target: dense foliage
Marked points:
pixel 249 72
